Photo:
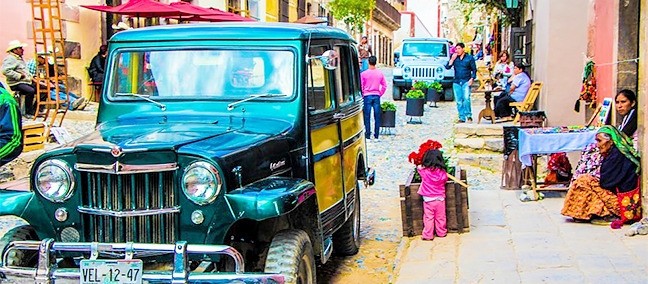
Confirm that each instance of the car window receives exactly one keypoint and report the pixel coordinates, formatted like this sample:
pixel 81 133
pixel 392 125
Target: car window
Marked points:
pixel 220 74
pixel 433 49
pixel 318 89
pixel 343 76
pixel 355 73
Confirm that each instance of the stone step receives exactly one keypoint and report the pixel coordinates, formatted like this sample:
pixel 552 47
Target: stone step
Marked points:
pixel 466 130
pixel 491 162
pixel 480 144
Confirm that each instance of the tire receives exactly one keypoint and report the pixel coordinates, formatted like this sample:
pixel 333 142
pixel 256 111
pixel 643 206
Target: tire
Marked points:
pixel 448 94
pixel 19 257
pixel 397 95
pixel 346 241
pixel 291 254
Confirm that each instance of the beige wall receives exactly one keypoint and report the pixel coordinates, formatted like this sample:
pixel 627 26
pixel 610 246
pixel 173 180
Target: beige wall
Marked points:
pixel 642 98
pixel 559 48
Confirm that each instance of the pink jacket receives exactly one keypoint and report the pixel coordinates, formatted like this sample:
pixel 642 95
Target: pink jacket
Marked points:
pixel 433 184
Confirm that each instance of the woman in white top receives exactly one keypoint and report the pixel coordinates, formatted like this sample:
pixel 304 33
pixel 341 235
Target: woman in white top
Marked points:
pixel 503 69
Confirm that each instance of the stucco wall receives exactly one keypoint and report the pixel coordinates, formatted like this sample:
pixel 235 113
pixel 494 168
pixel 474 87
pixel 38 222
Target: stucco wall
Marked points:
pixel 603 39
pixel 559 46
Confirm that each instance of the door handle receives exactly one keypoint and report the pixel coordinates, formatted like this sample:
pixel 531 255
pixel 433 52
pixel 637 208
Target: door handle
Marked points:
pixel 339 115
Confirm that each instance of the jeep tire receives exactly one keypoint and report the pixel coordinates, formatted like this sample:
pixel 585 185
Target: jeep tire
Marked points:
pixel 346 241
pixel 397 95
pixel 21 258
pixel 448 94
pixel 291 254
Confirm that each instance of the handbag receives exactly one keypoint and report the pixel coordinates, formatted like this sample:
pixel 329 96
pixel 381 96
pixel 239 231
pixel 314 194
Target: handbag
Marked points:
pixel 630 204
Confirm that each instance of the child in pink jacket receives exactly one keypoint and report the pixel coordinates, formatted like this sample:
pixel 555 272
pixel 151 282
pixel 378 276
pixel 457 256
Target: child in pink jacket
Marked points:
pixel 432 189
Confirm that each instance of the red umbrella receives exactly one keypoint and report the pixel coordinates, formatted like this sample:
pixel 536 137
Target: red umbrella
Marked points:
pixel 216 15
pixel 140 8
pixel 193 10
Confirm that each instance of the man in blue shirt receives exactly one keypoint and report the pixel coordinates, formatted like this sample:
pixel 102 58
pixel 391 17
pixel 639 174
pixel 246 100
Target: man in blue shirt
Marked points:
pixel 465 74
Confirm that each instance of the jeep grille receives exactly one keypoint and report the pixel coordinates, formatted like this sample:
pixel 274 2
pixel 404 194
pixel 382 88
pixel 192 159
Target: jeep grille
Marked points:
pixel 127 192
pixel 423 72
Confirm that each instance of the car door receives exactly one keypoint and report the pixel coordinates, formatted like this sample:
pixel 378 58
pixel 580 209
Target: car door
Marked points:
pixel 325 143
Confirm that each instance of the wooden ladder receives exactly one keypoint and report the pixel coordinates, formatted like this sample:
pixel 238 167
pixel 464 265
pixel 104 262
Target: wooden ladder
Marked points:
pixel 47 28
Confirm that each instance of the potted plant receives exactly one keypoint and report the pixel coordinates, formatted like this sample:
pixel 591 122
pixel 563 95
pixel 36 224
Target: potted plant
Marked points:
pixel 388 115
pixel 434 92
pixel 415 102
pixel 421 85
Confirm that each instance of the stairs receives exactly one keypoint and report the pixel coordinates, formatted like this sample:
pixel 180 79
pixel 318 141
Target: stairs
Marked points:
pixel 49 41
pixel 479 145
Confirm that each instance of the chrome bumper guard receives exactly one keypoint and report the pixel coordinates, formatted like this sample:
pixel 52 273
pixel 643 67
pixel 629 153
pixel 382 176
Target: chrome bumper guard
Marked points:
pixel 46 272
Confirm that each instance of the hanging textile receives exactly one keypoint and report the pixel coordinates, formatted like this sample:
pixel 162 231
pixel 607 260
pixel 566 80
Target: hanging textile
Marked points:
pixel 588 90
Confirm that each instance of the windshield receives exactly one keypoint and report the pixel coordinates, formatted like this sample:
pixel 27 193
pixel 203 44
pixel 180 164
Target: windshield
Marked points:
pixel 205 74
pixel 436 49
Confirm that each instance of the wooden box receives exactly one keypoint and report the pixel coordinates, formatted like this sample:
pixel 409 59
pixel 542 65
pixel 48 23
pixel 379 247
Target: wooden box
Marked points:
pixel 412 206
pixel 34 136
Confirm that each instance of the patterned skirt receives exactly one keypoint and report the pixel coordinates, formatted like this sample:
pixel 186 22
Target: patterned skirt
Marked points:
pixel 586 198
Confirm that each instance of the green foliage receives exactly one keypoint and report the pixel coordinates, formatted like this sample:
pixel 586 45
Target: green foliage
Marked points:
pixel 388 106
pixel 420 85
pixel 436 85
pixel 415 94
pixel 506 16
pixel 354 13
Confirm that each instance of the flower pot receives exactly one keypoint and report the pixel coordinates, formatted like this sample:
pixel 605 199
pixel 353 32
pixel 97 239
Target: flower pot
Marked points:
pixel 388 118
pixel 432 95
pixel 414 107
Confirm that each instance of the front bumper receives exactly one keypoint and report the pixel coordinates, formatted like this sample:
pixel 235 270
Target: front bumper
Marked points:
pixel 46 272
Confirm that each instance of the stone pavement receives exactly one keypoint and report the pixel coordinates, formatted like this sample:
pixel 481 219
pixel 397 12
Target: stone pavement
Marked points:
pixel 515 242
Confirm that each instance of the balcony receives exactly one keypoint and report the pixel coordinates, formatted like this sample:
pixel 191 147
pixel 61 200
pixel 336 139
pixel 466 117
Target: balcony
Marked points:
pixel 386 14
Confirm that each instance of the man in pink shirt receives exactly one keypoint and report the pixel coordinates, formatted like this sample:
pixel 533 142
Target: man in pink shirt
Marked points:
pixel 374 86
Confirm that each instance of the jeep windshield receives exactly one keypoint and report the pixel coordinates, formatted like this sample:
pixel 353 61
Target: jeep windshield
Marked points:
pixel 229 75
pixel 420 49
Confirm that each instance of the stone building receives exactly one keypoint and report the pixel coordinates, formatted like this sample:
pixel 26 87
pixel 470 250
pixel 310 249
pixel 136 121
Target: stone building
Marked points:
pixel 385 19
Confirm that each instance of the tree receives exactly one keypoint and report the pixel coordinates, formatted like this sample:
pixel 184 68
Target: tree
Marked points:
pixel 506 15
pixel 354 13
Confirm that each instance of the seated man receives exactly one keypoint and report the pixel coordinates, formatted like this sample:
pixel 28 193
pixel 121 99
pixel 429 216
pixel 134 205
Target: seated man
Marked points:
pixel 39 65
pixel 519 88
pixel 18 78
pixel 11 143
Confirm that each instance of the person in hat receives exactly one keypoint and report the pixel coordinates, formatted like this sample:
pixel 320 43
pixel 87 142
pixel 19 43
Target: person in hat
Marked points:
pixel 11 142
pixel 39 66
pixel 18 77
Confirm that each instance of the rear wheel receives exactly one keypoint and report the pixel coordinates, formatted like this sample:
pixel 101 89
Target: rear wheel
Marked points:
pixel 291 254
pixel 346 241
pixel 448 94
pixel 396 93
pixel 22 258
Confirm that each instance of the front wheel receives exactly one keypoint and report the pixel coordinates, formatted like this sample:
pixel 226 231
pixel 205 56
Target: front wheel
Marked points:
pixel 20 258
pixel 346 241
pixel 291 254
pixel 396 93
pixel 448 94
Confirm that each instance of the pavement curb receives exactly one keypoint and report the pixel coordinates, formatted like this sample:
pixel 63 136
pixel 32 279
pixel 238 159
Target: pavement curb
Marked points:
pixel 400 254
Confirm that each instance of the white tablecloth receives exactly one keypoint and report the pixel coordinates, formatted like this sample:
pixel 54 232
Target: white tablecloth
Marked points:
pixel 548 143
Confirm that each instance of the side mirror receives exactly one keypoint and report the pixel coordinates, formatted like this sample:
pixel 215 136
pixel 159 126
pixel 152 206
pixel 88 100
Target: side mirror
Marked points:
pixel 330 59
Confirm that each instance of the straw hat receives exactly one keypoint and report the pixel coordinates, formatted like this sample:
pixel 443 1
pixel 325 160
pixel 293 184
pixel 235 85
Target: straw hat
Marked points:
pixel 15 44
pixel 121 26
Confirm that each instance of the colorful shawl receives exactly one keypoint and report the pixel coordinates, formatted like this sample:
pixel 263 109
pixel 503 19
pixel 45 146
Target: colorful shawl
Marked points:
pixel 623 143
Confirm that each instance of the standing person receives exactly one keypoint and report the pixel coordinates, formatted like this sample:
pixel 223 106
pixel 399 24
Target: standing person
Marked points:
pixel 98 65
pixel 434 177
pixel 364 52
pixel 374 86
pixel 18 78
pixel 519 89
pixel 11 143
pixel 465 74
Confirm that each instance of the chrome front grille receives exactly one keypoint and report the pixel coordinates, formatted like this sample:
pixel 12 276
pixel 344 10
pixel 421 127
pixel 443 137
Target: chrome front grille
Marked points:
pixel 116 194
pixel 423 72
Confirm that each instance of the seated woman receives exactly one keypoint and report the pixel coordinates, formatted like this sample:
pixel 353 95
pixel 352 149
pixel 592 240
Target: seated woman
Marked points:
pixel 519 88
pixel 626 105
pixel 590 197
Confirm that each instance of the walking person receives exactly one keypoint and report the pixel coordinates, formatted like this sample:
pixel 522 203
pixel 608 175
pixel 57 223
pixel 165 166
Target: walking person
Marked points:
pixel 465 74
pixel 374 86
pixel 18 78
pixel 434 177
pixel 364 52
pixel 11 142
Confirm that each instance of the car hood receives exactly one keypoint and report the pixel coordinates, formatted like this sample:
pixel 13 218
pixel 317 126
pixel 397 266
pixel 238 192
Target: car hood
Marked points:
pixel 136 135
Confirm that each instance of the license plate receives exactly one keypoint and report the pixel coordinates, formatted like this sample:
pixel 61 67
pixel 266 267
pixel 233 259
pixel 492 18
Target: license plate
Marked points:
pixel 111 271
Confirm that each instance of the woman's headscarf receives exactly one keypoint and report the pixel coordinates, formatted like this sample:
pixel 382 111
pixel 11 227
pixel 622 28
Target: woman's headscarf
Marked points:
pixel 623 143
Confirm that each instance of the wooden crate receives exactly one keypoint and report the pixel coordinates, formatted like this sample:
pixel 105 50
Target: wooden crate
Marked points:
pixel 34 136
pixel 456 207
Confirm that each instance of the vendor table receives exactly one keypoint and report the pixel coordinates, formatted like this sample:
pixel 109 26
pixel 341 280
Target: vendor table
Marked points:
pixel 539 141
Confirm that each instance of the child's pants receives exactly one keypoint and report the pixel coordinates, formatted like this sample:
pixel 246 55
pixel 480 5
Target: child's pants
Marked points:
pixel 434 219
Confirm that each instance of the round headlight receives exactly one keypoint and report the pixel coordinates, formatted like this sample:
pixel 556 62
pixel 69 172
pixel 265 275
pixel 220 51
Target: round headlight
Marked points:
pixel 439 70
pixel 201 183
pixel 54 180
pixel 407 69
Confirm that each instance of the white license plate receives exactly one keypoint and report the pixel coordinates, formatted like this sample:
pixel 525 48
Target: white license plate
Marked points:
pixel 111 271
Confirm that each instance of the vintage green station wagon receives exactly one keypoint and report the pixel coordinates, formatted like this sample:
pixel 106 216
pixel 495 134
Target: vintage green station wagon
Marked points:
pixel 222 153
